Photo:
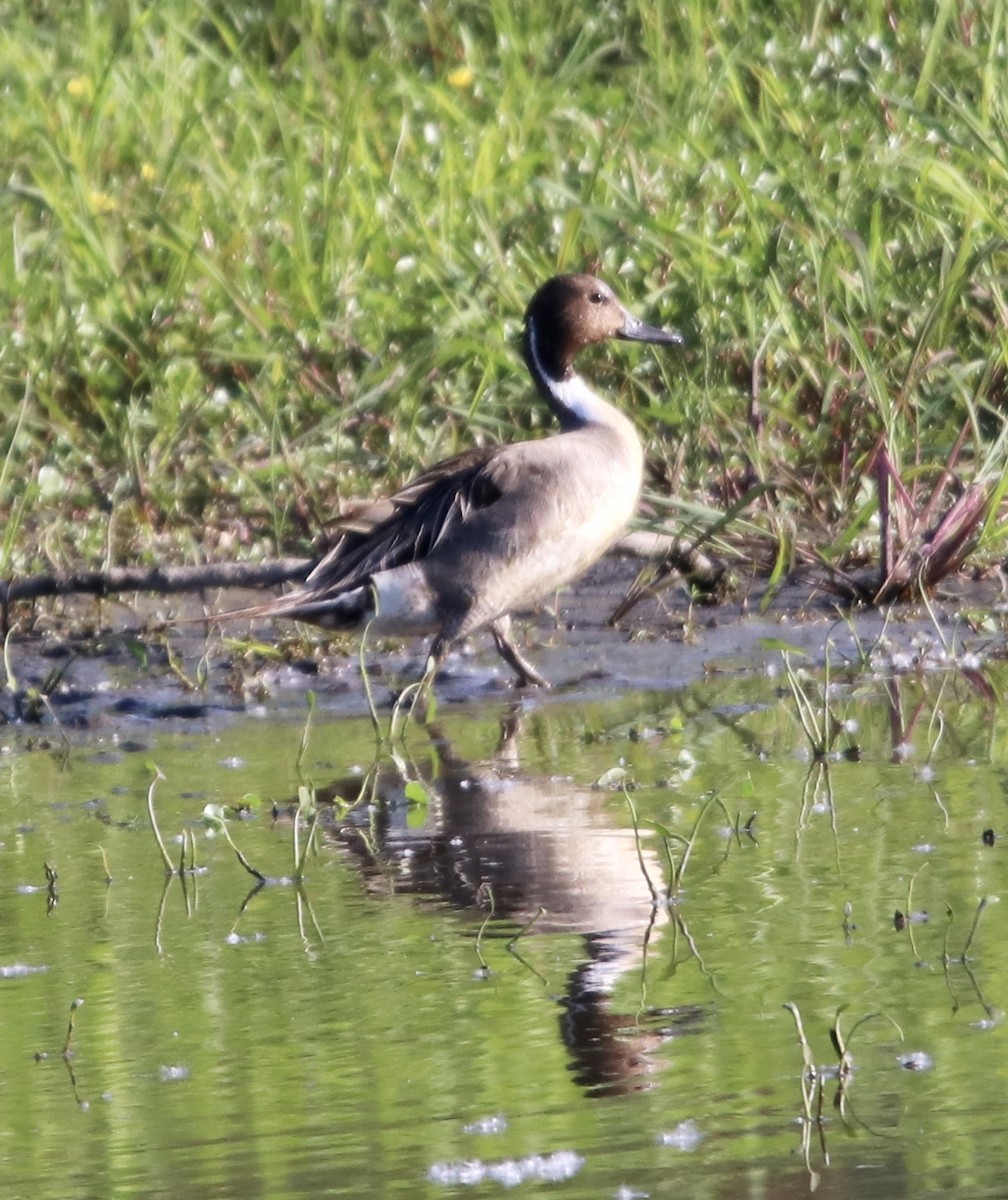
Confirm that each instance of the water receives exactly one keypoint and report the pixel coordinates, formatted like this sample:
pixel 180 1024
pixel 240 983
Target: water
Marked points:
pixel 378 1031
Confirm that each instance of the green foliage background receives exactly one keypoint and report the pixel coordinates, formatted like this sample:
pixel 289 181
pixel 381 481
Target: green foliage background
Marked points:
pixel 254 257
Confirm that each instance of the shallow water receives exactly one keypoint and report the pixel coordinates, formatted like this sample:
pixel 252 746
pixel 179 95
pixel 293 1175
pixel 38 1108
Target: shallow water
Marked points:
pixel 377 1031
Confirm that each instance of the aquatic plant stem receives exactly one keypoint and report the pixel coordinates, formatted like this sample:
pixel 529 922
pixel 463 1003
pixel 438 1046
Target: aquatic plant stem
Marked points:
pixel 984 901
pixel 811 1070
pixel 366 678
pixel 158 777
pixel 305 733
pixel 637 846
pixel 66 1051
pixel 910 912
pixel 526 928
pixel 487 890
pixel 238 854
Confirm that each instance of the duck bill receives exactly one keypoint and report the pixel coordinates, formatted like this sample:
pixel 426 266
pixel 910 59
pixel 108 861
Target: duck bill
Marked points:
pixel 636 331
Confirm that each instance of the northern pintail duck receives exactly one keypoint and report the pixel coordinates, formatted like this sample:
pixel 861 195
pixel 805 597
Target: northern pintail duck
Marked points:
pixel 496 528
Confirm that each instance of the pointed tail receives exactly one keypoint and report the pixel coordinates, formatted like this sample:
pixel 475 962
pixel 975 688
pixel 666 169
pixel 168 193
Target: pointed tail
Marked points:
pixel 342 611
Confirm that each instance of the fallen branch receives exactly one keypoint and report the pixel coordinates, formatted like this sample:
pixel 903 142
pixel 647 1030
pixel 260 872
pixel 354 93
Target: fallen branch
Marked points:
pixel 161 581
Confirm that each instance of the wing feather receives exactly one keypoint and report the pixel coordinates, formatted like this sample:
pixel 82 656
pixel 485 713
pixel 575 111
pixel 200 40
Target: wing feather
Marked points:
pixel 407 526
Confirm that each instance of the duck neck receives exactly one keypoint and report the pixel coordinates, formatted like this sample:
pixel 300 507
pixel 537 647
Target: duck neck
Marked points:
pixel 569 397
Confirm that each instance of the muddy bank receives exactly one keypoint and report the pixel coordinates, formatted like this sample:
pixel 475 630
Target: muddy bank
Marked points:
pixel 109 667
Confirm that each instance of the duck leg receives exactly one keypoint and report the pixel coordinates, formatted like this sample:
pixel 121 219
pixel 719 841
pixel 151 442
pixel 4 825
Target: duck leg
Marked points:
pixel 526 674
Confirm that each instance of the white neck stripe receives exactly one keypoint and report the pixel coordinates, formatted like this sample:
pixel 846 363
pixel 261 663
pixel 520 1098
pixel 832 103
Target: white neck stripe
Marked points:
pixel 572 398
pixel 576 397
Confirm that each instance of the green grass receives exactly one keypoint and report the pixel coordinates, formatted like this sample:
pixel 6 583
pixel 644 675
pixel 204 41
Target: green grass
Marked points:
pixel 256 258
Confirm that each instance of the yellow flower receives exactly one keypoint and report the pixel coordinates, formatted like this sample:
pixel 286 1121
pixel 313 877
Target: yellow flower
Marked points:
pixel 102 202
pixel 147 172
pixel 461 77
pixel 80 87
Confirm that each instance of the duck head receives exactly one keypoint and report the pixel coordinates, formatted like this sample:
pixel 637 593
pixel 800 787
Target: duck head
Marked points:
pixel 570 312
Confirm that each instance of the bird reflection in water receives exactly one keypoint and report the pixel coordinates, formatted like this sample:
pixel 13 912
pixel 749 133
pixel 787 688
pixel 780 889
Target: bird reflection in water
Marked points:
pixel 549 856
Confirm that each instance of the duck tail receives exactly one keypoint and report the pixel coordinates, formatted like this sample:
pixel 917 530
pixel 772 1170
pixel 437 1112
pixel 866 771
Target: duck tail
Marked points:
pixel 343 611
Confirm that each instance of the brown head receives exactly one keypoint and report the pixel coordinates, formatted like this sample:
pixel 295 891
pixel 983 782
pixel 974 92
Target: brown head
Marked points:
pixel 568 313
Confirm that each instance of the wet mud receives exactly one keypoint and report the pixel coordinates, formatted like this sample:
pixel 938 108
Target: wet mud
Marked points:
pixel 85 665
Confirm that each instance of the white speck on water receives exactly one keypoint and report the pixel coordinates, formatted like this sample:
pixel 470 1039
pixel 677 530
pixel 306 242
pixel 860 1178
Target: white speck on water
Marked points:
pixel 495 1124
pixel 510 1172
pixel 20 970
pixel 238 939
pixel 685 1136
pixel 916 1060
pixel 172 1074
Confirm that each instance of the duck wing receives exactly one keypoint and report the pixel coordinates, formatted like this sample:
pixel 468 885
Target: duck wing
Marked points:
pixel 406 526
